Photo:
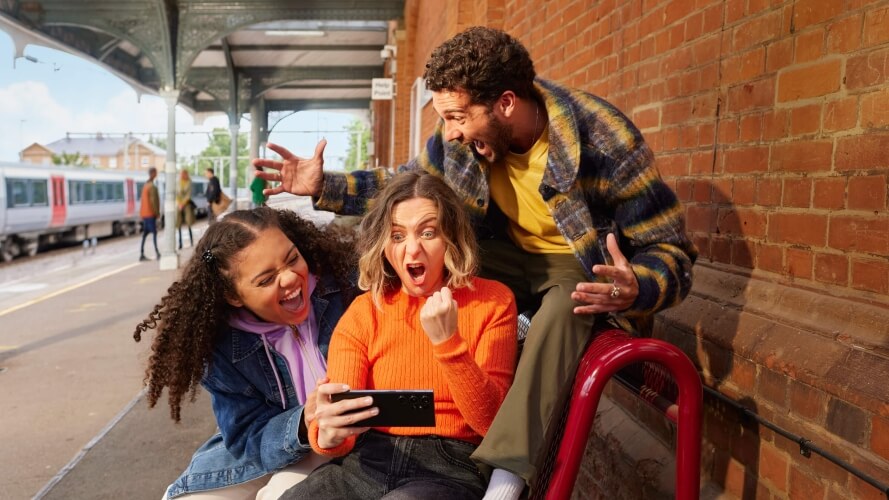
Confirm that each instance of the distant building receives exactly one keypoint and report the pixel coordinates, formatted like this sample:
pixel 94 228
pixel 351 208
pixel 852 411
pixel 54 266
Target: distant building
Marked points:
pixel 113 153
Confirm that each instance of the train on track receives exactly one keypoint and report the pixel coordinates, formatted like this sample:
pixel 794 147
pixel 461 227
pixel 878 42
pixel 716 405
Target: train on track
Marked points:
pixel 44 205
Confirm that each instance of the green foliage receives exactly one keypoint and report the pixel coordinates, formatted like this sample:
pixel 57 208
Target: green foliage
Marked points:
pixel 72 159
pixel 160 142
pixel 220 148
pixel 356 153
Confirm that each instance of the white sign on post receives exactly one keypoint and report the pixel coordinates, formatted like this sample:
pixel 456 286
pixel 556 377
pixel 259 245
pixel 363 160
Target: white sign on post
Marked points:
pixel 382 89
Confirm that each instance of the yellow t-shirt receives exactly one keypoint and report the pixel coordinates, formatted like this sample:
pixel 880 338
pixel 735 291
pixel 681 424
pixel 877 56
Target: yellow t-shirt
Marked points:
pixel 514 187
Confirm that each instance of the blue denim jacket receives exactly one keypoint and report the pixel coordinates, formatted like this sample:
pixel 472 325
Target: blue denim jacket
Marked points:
pixel 257 436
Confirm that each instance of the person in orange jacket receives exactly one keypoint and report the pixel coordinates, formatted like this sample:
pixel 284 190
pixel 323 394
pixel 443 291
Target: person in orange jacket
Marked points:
pixel 149 211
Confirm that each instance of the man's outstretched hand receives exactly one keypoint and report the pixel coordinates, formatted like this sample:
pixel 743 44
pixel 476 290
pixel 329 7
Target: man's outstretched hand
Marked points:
pixel 608 297
pixel 295 175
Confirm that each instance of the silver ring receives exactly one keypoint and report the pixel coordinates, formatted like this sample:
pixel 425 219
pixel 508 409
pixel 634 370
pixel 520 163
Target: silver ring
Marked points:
pixel 615 291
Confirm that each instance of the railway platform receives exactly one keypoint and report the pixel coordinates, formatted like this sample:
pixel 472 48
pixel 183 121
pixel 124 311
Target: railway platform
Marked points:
pixel 75 423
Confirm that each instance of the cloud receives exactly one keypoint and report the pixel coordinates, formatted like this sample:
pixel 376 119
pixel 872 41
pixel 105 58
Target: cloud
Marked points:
pixel 30 101
pixel 47 120
pixel 60 93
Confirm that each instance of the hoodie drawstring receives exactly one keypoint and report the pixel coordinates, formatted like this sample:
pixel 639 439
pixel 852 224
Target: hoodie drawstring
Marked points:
pixel 275 371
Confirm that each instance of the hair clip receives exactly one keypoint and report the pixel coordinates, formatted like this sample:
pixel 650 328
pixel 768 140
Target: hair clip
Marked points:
pixel 208 256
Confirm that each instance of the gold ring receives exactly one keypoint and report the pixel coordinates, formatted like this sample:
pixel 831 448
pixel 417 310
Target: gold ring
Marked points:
pixel 615 291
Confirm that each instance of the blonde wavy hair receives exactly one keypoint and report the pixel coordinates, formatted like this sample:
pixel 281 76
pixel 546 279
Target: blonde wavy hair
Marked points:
pixel 461 249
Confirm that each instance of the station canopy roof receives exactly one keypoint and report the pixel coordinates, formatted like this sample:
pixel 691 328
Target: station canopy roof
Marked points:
pixel 222 55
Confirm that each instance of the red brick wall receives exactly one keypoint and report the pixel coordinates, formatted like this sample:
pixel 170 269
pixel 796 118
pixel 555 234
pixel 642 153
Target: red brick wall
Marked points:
pixel 770 119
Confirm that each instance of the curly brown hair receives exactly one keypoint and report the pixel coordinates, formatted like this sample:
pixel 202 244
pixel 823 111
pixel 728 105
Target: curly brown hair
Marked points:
pixel 461 247
pixel 484 62
pixel 194 310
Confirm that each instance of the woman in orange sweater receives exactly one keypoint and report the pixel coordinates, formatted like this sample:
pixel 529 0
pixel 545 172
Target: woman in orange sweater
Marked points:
pixel 426 322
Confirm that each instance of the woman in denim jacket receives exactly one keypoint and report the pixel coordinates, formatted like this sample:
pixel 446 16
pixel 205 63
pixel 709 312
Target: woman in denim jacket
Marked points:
pixel 250 320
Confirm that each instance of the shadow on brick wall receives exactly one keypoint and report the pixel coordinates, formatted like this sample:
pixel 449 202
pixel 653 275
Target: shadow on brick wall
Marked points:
pixel 705 326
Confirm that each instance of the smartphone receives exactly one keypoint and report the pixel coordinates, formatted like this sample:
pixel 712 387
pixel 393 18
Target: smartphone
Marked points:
pixel 398 408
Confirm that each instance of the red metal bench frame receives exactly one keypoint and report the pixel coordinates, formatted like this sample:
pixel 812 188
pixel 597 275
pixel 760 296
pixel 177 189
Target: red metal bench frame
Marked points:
pixel 610 351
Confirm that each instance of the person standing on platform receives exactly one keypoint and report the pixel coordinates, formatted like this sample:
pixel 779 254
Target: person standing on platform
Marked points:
pixel 185 212
pixel 257 187
pixel 149 211
pixel 568 206
pixel 214 194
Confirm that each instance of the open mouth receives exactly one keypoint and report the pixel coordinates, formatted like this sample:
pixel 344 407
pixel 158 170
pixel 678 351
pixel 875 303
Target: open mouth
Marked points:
pixel 293 301
pixel 480 149
pixel 417 272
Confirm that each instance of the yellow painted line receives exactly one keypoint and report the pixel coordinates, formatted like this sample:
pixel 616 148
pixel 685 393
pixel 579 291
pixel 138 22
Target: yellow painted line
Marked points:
pixel 8 347
pixel 88 306
pixel 66 290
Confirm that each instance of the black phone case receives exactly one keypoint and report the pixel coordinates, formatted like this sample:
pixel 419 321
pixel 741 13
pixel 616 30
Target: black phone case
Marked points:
pixel 398 408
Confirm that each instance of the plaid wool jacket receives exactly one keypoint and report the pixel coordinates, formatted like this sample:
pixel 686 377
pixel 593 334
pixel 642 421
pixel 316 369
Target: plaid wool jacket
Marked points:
pixel 600 177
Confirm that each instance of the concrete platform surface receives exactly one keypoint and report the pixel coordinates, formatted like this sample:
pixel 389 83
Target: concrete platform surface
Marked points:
pixel 75 423
pixel 139 456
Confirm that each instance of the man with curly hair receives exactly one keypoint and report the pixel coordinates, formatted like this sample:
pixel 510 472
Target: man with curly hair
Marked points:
pixel 570 213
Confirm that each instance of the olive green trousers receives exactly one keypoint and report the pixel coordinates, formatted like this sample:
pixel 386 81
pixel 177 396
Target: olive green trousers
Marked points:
pixel 553 347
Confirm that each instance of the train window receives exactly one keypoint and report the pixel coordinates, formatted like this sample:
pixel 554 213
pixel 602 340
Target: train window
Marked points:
pixel 89 193
pixel 39 193
pixel 118 192
pixel 16 193
pixel 75 193
pixel 139 186
pixel 26 193
pixel 100 191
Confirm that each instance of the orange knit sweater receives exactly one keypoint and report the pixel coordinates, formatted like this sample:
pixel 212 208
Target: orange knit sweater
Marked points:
pixel 469 373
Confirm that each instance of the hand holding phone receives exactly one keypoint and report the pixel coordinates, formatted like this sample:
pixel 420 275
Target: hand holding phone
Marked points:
pixel 337 419
pixel 398 408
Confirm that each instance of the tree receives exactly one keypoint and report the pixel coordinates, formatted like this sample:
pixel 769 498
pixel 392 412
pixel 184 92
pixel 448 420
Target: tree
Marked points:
pixel 220 147
pixel 73 159
pixel 160 142
pixel 356 153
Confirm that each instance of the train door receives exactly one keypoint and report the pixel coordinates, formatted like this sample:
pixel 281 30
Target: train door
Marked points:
pixel 58 200
pixel 131 198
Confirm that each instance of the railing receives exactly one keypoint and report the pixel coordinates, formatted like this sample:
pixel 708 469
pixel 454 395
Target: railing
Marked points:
pixel 610 351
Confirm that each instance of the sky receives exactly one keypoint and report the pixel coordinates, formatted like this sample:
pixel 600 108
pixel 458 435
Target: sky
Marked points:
pixel 42 101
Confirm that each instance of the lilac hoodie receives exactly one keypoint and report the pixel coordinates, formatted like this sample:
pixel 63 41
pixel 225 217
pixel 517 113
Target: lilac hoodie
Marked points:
pixel 298 344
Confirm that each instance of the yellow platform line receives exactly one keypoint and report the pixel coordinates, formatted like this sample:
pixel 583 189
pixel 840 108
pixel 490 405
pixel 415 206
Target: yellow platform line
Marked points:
pixel 66 290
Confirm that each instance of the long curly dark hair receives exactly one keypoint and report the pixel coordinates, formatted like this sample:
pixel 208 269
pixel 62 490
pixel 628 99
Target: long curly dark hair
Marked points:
pixel 485 62
pixel 194 310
